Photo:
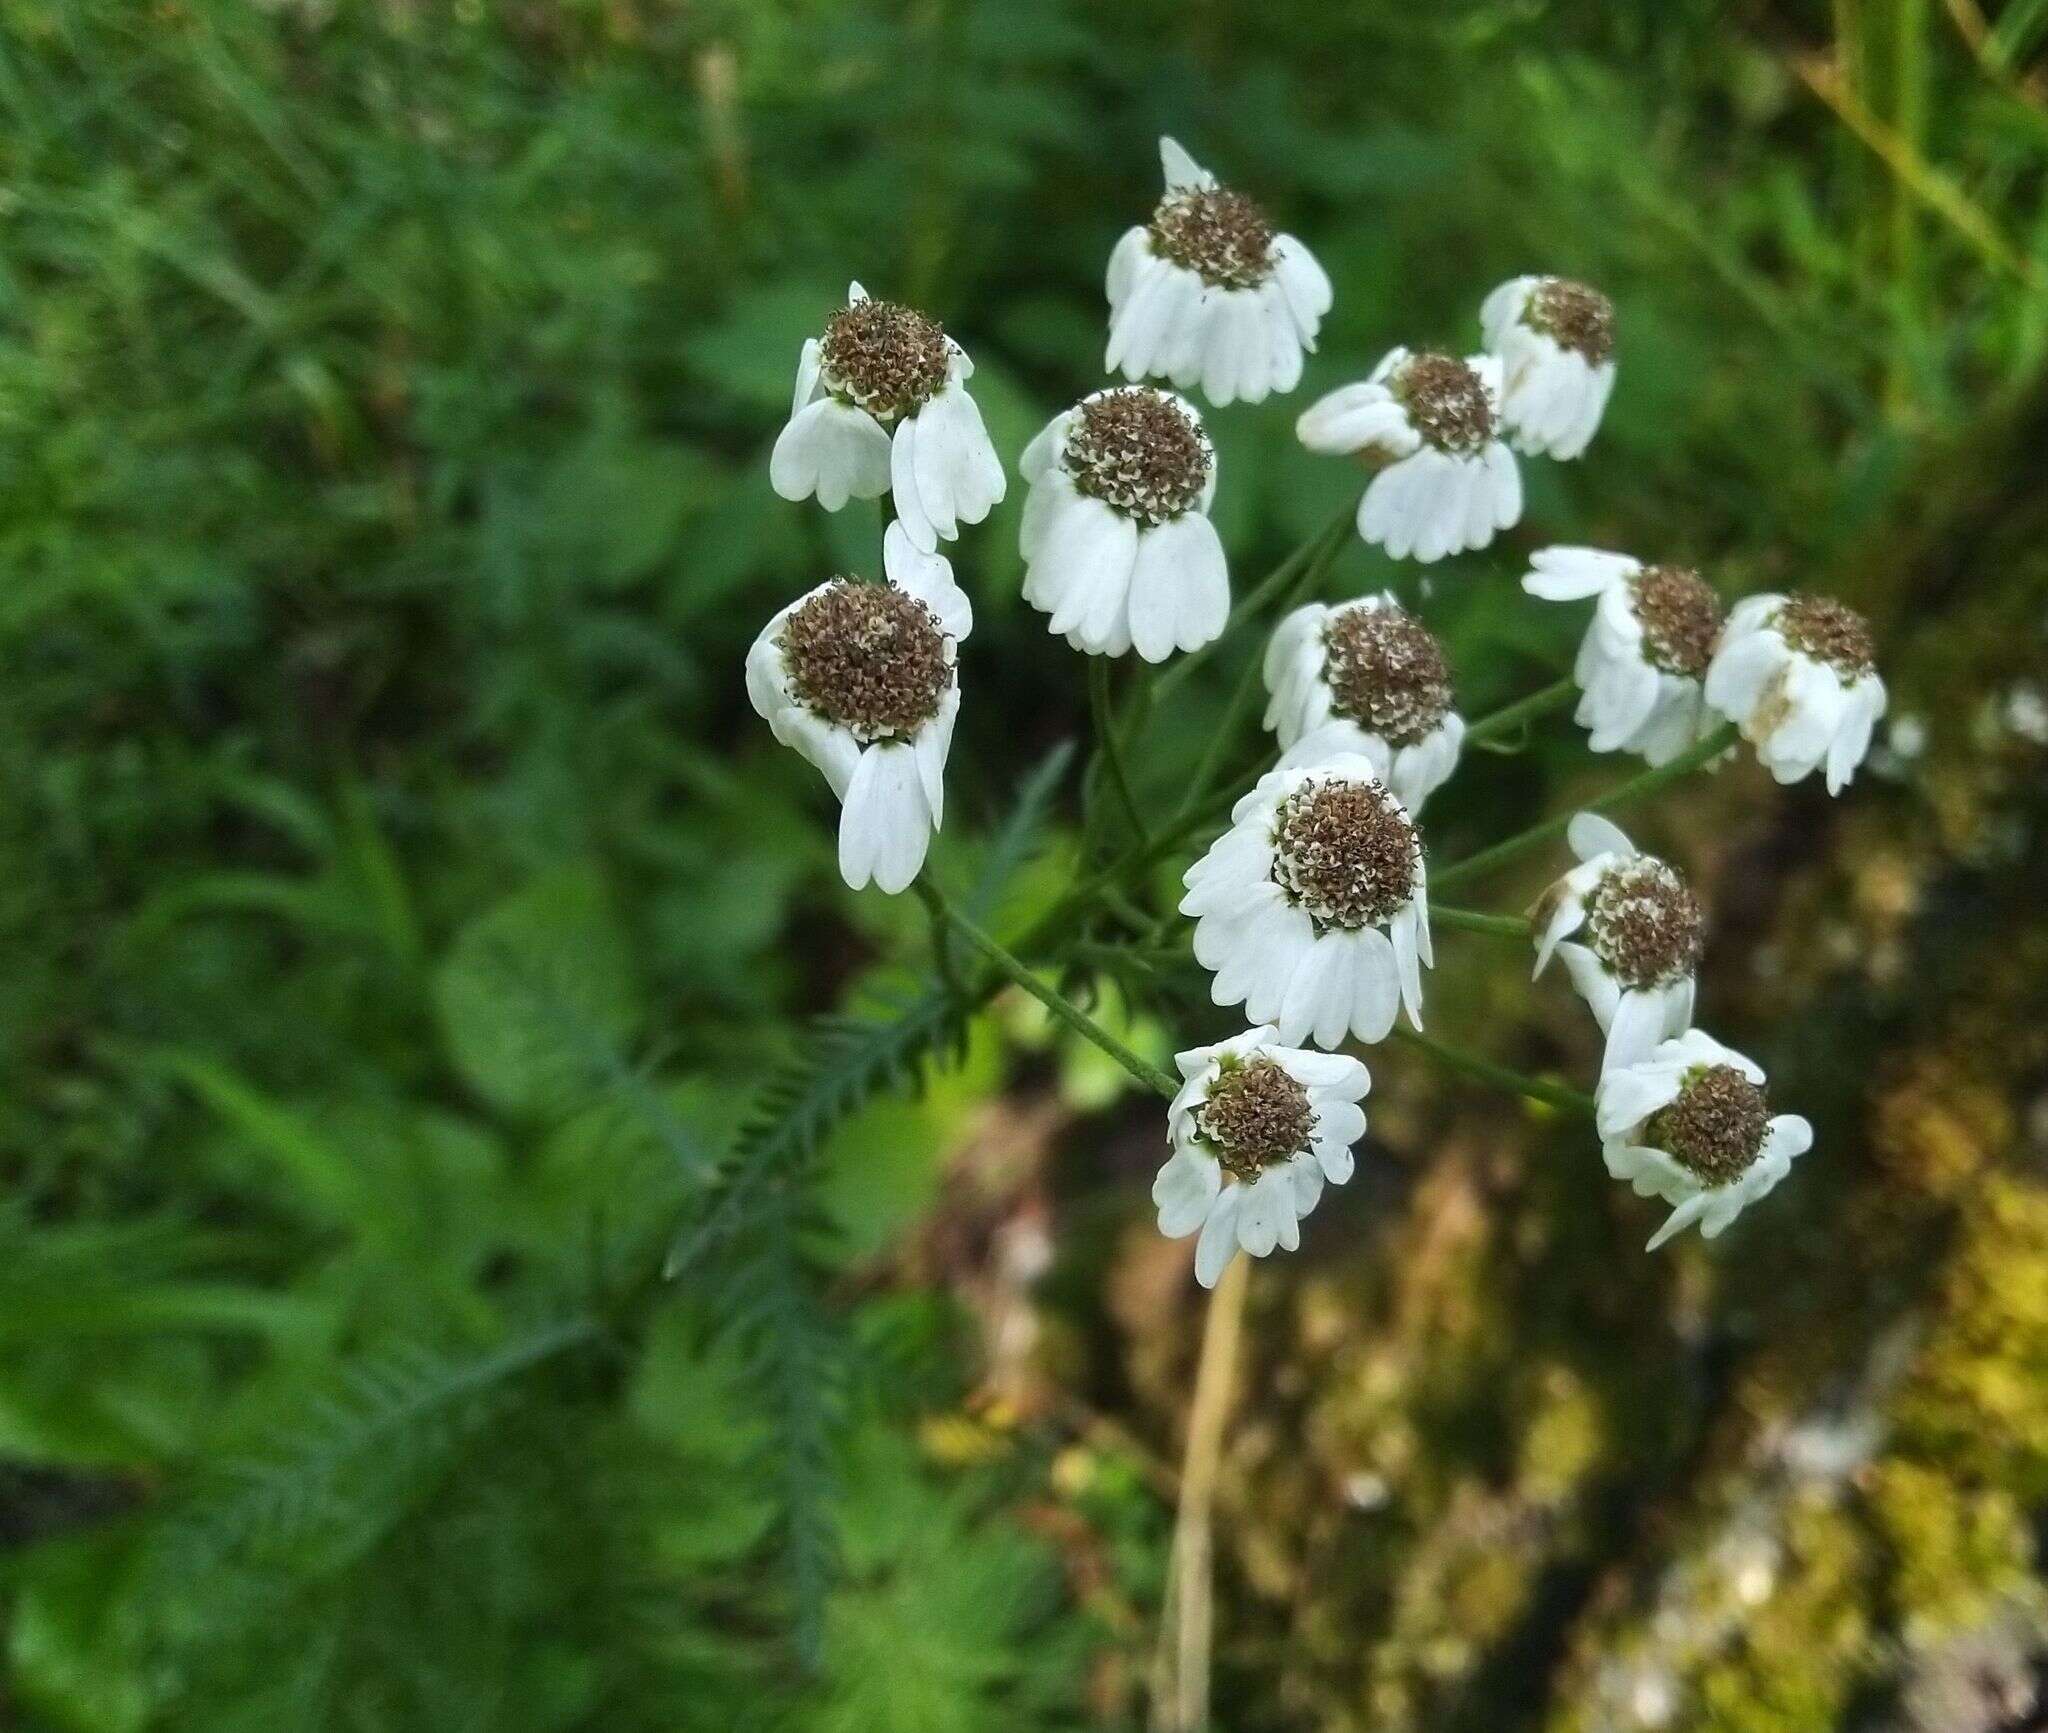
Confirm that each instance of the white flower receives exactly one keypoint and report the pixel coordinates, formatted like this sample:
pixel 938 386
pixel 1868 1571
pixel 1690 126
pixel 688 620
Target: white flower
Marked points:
pixel 1645 653
pixel 1256 1129
pixel 878 365
pixel 1798 674
pixel 1118 547
pixel 861 679
pixel 1433 421
pixel 1207 294
pixel 1364 677
pixel 1688 1123
pixel 1641 932
pixel 1555 339
pixel 1312 909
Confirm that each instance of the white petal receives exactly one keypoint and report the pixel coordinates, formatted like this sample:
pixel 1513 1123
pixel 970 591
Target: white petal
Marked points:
pixel 958 475
pixel 1184 1191
pixel 1680 1219
pixel 1638 1026
pixel 928 577
pixel 885 827
pixel 1126 259
pixel 1267 1214
pixel 832 450
pixel 1317 1000
pixel 1568 574
pixel 1356 418
pixel 1218 1244
pixel 910 511
pixel 1095 549
pixel 1304 282
pixel 1375 985
pixel 1589 836
pixel 807 367
pixel 1183 173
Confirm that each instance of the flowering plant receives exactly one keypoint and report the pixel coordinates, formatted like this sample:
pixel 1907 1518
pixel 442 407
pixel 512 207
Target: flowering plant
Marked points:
pixel 1308 881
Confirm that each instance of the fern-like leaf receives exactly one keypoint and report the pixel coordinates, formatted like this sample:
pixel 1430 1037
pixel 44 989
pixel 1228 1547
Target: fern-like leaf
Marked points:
pixel 349 1465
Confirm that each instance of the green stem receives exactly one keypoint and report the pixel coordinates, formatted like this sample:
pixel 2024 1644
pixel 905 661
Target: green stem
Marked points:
pixel 1471 921
pixel 1472 866
pixel 1511 716
pixel 1500 1076
pixel 1063 1008
pixel 1107 745
pixel 942 937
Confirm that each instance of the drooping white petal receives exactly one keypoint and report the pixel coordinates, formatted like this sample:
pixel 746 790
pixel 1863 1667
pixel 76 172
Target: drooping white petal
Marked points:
pixel 1218 1244
pixel 832 450
pixel 1185 1190
pixel 885 826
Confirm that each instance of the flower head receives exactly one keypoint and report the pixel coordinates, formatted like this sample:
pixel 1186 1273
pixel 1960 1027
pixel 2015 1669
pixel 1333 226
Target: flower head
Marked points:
pixel 1256 1130
pixel 1689 1122
pixel 1364 677
pixel 1432 424
pixel 861 678
pixel 1555 339
pixel 1645 652
pixel 1799 675
pixel 880 366
pixel 1207 293
pixel 1629 931
pixel 1118 547
pixel 1312 909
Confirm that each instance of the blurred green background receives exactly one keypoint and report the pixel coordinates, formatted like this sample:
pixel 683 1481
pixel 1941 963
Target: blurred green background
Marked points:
pixel 400 907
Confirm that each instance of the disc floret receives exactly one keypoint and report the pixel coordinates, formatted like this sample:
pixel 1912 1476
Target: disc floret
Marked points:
pixel 868 657
pixel 1345 851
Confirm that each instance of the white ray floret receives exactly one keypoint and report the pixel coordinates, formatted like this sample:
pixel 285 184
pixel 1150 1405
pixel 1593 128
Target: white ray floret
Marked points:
pixel 1364 677
pixel 862 679
pixel 1431 424
pixel 882 406
pixel 1689 1123
pixel 1555 340
pixel 1628 929
pixel 1312 909
pixel 1798 675
pixel 1118 548
pixel 1256 1131
pixel 1645 654
pixel 1208 296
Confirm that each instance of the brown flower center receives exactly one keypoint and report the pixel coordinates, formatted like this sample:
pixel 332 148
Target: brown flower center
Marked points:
pixel 1257 1114
pixel 1644 923
pixel 1446 400
pixel 1138 452
pixel 886 358
pixel 1346 852
pixel 1680 616
pixel 1222 236
pixel 1386 672
pixel 1715 1129
pixel 1572 316
pixel 869 657
pixel 1825 630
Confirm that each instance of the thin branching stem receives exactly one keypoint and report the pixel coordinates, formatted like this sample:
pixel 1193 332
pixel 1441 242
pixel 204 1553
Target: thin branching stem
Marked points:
pixel 1109 748
pixel 1472 921
pixel 1509 717
pixel 1472 866
pixel 1500 1076
pixel 1055 1001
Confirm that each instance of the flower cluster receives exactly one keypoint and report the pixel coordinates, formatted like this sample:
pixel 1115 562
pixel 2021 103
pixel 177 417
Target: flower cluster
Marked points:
pixel 1310 909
